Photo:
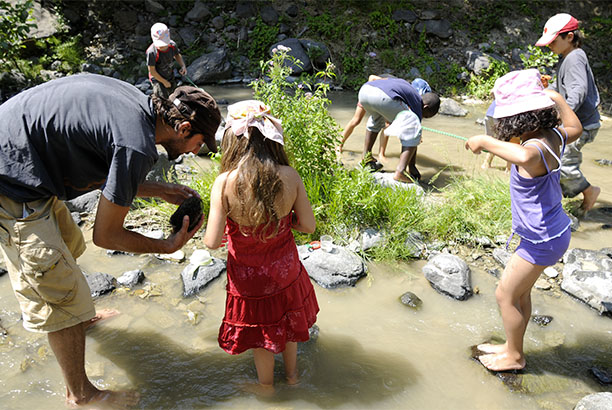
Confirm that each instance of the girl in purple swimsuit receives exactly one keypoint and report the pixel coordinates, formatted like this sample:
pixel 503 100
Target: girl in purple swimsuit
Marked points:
pixel 524 109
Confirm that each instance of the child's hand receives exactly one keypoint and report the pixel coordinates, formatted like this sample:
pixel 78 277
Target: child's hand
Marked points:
pixel 167 84
pixel 474 144
pixel 183 70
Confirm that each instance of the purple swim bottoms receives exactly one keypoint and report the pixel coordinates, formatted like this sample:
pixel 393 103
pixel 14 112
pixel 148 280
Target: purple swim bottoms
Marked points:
pixel 545 253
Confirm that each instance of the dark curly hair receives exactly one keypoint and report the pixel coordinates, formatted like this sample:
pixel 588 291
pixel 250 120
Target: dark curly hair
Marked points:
pixel 507 128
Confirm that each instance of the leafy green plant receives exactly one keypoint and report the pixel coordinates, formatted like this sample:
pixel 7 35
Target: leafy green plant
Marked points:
pixel 536 57
pixel 70 52
pixel 262 37
pixel 480 86
pixel 16 21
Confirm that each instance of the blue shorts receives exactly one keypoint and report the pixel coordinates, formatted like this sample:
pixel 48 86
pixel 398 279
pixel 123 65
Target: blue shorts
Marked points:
pixel 545 253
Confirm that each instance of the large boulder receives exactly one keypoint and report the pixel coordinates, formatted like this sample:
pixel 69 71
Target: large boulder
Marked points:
pixel 452 108
pixel 477 61
pixel 47 23
pixel 595 401
pixel 298 52
pixel 587 275
pixel 449 275
pixel 198 12
pixel 210 67
pixel 195 277
pixel 439 28
pixel 317 52
pixel 338 268
pixel 84 203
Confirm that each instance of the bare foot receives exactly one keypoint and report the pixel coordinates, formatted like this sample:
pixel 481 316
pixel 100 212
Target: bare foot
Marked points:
pixel 293 379
pixel 101 315
pixel 491 348
pixel 262 390
pixel 590 196
pixel 485 165
pixel 501 361
pixel 401 177
pixel 382 158
pixel 107 399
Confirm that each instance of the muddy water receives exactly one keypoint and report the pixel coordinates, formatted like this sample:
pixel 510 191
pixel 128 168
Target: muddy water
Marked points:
pixel 371 351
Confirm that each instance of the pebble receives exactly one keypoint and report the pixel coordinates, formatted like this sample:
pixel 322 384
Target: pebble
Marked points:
pixel 178 256
pixel 551 272
pixel 542 284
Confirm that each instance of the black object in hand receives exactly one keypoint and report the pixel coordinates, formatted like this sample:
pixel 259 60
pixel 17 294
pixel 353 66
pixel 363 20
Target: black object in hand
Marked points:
pixel 192 207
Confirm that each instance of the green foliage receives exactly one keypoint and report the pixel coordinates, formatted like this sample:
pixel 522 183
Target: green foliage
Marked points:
pixel 262 37
pixel 70 52
pixel 482 85
pixel 537 57
pixel 310 132
pixel 15 24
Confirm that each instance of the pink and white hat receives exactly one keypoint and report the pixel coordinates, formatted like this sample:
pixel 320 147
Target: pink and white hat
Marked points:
pixel 252 113
pixel 160 35
pixel 557 24
pixel 518 92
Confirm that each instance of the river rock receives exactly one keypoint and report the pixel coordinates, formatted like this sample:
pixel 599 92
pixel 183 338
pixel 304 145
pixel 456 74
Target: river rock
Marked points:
pixel 450 107
pixel 411 300
pixel 191 207
pixel 371 238
pixel 338 268
pixel 131 278
pixel 415 244
pixel 604 162
pixel 269 15
pixel 551 272
pixel 210 67
pixel 587 275
pixel 84 203
pixel 47 23
pixel 403 15
pixel 439 28
pixel 386 179
pixel 541 320
pixel 218 22
pixel 195 277
pixel 3 271
pixel 245 9
pixel 477 61
pixel 502 256
pixel 602 375
pixel 154 7
pixel 198 12
pixel 595 401
pixel 449 275
pixel 100 283
pixel 317 52
pixel 163 170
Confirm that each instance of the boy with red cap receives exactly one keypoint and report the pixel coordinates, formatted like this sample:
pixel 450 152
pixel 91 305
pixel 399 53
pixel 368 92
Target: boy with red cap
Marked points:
pixel 160 61
pixel 575 82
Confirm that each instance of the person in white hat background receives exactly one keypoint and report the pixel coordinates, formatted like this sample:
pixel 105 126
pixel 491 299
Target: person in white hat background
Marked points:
pixel 161 55
pixel 575 82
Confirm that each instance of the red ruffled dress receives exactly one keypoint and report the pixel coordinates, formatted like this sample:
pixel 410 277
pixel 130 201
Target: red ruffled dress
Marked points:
pixel 270 300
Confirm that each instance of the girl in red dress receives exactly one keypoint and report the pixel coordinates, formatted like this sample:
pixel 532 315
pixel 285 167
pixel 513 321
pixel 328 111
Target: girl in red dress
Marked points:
pixel 256 200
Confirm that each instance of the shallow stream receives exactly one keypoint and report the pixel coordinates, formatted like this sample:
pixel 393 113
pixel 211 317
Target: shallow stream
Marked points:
pixel 371 351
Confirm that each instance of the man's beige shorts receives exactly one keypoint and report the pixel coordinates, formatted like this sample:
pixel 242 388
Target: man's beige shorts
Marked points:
pixel 40 242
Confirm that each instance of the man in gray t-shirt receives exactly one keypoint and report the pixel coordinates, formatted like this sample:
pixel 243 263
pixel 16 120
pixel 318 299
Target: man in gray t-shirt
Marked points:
pixel 60 140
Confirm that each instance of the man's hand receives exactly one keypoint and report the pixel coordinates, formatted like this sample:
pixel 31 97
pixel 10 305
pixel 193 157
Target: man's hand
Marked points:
pixel 173 193
pixel 179 239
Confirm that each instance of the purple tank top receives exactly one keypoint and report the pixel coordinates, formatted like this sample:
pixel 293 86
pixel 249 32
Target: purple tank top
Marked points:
pixel 537 214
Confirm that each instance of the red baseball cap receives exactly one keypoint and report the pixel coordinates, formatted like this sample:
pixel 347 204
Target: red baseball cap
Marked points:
pixel 557 24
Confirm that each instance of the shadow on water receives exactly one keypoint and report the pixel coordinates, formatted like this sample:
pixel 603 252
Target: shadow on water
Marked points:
pixel 334 371
pixel 549 369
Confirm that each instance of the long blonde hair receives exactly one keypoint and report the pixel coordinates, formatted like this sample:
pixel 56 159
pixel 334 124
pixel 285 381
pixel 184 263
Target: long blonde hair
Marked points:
pixel 256 161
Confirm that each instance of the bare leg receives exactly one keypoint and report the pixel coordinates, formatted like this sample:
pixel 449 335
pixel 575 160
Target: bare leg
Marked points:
pixel 513 297
pixel 101 315
pixel 487 162
pixel 370 139
pixel 382 147
pixel 290 360
pixel 590 196
pixel 405 157
pixel 68 345
pixel 412 169
pixel 264 363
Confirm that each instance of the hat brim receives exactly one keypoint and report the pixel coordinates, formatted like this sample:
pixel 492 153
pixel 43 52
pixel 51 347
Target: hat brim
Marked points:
pixel 160 43
pixel 518 107
pixel 211 143
pixel 546 39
